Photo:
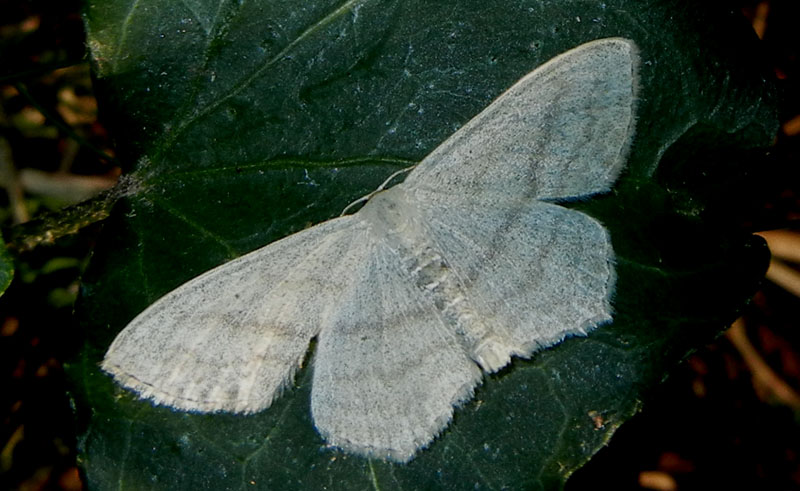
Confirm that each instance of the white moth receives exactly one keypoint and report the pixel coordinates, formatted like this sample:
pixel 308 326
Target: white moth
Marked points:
pixel 433 283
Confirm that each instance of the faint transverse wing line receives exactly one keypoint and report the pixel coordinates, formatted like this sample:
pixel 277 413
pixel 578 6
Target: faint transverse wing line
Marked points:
pixel 563 130
pixel 388 371
pixel 203 346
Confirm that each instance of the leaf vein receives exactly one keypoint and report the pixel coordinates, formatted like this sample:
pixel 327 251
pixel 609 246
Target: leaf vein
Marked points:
pixel 123 35
pixel 236 89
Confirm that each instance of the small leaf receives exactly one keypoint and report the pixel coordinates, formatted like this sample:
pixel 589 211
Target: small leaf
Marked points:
pixel 6 268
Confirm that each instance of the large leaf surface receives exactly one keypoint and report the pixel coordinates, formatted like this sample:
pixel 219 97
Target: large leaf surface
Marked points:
pixel 248 121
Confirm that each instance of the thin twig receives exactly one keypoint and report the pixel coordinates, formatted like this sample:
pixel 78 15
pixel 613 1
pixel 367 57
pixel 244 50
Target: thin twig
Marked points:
pixel 783 244
pixel 10 181
pixel 763 375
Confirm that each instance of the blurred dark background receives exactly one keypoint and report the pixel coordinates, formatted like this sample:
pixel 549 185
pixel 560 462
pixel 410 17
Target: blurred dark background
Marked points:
pixel 727 418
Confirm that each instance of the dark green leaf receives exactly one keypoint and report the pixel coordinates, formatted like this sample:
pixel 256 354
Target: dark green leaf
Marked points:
pixel 6 267
pixel 249 121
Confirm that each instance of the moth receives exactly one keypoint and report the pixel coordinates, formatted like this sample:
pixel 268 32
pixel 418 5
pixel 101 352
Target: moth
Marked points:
pixel 434 283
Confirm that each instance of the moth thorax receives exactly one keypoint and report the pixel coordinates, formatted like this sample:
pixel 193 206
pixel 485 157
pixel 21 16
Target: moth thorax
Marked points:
pixel 390 212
